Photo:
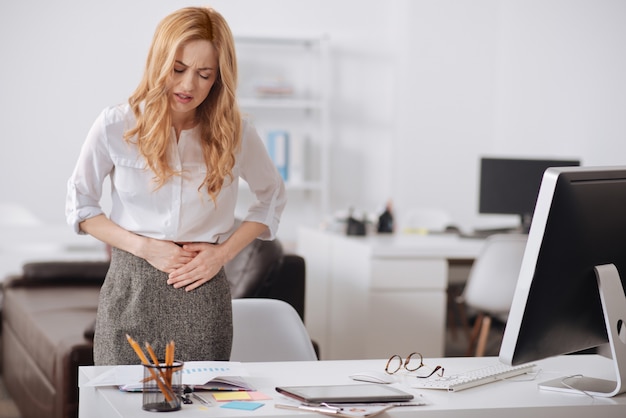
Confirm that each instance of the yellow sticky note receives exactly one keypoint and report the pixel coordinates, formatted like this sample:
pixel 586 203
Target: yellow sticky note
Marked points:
pixel 231 396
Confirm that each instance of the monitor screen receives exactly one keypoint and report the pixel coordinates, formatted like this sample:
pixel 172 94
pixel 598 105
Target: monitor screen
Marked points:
pixel 511 185
pixel 579 223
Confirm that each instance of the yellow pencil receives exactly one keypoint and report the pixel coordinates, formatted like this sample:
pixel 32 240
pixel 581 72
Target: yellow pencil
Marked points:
pixel 145 362
pixel 169 359
pixel 155 360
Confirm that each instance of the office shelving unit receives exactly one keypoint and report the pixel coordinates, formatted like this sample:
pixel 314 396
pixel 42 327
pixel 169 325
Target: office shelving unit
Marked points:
pixel 284 85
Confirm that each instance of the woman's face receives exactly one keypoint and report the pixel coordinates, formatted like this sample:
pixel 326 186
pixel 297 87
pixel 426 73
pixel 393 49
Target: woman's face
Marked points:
pixel 195 71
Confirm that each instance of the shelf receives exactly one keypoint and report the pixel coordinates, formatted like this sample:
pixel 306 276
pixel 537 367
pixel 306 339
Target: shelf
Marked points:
pixel 279 103
pixel 277 40
pixel 284 87
pixel 304 186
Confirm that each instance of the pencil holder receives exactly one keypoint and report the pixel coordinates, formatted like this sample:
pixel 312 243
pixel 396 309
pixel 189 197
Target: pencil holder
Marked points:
pixel 162 386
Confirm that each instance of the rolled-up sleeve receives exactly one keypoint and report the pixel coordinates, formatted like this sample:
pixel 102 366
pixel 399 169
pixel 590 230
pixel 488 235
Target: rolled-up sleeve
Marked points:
pixel 84 187
pixel 258 170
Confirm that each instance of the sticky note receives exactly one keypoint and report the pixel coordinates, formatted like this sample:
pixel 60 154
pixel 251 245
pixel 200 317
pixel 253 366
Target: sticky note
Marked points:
pixel 231 396
pixel 248 406
pixel 258 396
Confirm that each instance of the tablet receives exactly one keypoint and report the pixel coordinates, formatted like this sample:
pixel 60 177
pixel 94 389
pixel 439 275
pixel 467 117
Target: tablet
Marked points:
pixel 360 393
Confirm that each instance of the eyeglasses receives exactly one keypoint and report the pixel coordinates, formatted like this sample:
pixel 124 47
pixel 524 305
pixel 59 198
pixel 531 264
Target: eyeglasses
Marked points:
pixel 413 363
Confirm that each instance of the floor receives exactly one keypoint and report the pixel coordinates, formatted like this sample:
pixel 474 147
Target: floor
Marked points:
pixel 7 407
pixel 457 336
pixel 458 341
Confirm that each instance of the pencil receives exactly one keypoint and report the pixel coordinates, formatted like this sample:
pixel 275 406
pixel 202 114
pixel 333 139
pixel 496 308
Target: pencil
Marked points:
pixel 138 350
pixel 169 359
pixel 145 362
pixel 155 360
pixel 153 356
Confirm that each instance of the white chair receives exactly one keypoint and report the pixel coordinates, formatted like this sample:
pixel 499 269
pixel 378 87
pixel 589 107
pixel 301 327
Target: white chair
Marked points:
pixel 491 285
pixel 269 330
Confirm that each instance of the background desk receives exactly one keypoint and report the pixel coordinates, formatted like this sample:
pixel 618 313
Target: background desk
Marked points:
pixel 373 296
pixel 511 399
pixel 57 242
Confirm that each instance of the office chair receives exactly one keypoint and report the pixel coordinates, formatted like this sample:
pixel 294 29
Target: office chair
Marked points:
pixel 269 330
pixel 491 284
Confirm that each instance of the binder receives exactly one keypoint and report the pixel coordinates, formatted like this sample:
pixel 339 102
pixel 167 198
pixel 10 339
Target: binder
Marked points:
pixel 278 149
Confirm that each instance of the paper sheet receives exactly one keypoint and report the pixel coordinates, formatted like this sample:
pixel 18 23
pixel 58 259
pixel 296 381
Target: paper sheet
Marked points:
pixel 194 373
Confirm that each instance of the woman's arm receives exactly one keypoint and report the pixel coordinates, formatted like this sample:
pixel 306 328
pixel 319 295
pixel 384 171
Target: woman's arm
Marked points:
pixel 163 255
pixel 211 258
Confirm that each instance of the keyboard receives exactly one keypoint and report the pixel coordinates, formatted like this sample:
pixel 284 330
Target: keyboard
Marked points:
pixel 473 378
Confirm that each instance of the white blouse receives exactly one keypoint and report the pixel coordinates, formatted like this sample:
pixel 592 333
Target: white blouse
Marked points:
pixel 178 210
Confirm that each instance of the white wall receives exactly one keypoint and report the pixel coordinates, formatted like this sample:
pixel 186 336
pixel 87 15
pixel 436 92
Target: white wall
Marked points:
pixel 531 78
pixel 445 102
pixel 421 88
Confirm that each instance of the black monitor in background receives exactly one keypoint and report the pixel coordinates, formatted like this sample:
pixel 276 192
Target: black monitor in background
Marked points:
pixel 510 185
pixel 569 295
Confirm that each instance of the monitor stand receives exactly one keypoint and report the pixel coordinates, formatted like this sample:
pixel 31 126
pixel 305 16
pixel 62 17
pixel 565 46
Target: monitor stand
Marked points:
pixel 614 308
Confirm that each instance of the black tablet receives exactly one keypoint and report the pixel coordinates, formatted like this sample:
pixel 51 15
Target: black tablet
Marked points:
pixel 360 393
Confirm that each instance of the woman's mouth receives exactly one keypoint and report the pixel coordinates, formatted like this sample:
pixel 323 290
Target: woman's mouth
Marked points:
pixel 183 98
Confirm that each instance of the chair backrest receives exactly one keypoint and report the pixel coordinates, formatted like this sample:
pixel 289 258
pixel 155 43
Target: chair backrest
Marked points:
pixel 269 330
pixel 493 277
pixel 249 273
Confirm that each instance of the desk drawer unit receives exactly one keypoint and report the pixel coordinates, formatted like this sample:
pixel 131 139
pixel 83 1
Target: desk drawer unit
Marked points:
pixel 407 306
pixel 409 273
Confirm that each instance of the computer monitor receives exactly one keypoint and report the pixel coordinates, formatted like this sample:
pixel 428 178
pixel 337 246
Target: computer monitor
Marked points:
pixel 569 295
pixel 511 185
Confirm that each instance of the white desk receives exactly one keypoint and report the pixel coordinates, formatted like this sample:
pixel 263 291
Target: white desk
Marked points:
pixel 367 297
pixel 509 399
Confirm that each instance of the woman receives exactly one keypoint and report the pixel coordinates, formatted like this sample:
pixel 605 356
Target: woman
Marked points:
pixel 174 154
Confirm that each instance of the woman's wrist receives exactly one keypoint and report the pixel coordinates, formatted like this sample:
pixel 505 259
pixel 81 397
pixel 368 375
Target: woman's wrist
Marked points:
pixel 138 246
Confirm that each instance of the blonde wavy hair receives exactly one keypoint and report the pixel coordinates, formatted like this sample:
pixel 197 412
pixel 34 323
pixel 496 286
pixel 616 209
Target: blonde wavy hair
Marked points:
pixel 218 116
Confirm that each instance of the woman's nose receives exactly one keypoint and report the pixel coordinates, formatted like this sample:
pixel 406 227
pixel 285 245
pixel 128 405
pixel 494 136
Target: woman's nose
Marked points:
pixel 187 81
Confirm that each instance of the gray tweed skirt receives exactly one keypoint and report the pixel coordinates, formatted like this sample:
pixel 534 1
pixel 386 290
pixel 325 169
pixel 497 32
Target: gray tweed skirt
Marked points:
pixel 136 300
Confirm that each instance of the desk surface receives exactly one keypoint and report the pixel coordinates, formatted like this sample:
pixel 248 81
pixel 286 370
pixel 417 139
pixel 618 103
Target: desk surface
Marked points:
pixel 57 242
pixel 449 246
pixel 512 398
